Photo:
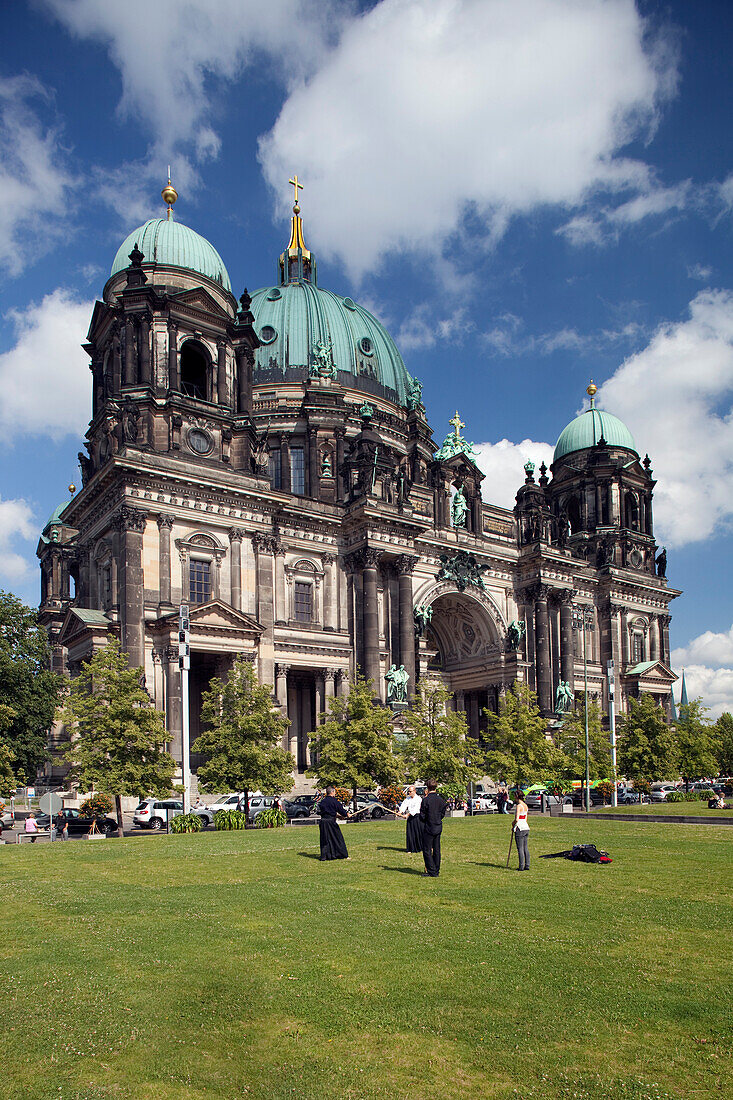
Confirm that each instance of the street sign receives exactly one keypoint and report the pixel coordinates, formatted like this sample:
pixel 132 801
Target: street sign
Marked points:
pixel 30 792
pixel 50 803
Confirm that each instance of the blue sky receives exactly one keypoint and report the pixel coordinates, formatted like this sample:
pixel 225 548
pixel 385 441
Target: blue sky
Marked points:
pixel 527 192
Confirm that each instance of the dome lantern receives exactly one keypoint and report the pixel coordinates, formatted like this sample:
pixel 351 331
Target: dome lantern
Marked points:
pixel 296 263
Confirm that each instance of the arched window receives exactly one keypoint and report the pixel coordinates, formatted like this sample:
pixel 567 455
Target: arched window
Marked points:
pixel 632 512
pixel 573 513
pixel 194 371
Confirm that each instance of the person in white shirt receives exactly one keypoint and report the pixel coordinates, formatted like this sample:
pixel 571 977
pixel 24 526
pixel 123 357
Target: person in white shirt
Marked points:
pixel 409 808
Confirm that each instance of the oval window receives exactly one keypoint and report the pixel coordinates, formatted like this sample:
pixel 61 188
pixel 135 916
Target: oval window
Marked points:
pixel 274 295
pixel 366 346
pixel 267 334
pixel 200 441
pixel 349 303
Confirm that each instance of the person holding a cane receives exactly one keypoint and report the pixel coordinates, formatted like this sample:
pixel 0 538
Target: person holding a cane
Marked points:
pixel 520 831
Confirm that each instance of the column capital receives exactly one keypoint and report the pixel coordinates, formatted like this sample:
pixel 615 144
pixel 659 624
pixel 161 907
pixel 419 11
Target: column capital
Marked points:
pixel 281 669
pixel 328 559
pixel 369 558
pixel 330 673
pixel 171 654
pixel 236 534
pixel 164 520
pixel 405 564
pixel 538 592
pixel 268 543
pixel 131 519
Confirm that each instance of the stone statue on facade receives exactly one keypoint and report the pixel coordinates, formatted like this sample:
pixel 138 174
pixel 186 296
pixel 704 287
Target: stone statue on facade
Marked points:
pixel 423 617
pixel 462 569
pixel 563 698
pixel 515 633
pixel 661 562
pixel 322 365
pixel 397 684
pixel 414 394
pixel 458 509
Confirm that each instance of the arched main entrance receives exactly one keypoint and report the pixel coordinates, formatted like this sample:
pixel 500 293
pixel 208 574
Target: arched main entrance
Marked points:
pixel 464 647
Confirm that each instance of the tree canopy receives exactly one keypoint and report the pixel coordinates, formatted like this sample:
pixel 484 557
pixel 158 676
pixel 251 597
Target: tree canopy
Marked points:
pixel 724 743
pixel 242 738
pixel 646 742
pixel 353 746
pixel 520 751
pixel 117 735
pixel 28 688
pixel 439 746
pixel 571 739
pixel 695 741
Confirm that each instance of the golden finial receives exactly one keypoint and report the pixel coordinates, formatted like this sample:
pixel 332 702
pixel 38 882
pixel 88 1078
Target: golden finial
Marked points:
pixel 591 389
pixel 457 424
pixel 72 488
pixel 169 193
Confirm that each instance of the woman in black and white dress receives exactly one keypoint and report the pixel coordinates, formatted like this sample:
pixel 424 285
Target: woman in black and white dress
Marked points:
pixel 410 809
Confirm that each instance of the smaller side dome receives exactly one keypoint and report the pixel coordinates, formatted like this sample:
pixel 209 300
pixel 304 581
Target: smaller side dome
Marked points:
pixel 172 244
pixel 587 430
pixel 54 521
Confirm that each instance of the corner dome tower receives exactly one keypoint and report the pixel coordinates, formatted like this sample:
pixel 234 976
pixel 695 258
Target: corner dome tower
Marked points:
pixel 168 243
pixel 590 427
pixel 304 328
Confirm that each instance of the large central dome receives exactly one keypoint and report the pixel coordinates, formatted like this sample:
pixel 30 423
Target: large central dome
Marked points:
pixel 293 319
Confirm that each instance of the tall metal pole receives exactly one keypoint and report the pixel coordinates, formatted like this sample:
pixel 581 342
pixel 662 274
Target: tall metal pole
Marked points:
pixel 184 664
pixel 612 727
pixel 585 688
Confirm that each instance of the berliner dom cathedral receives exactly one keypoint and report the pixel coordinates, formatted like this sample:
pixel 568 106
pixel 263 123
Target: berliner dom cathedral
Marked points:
pixel 266 461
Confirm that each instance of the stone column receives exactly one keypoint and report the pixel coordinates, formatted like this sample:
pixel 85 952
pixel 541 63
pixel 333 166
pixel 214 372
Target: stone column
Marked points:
pixel 329 680
pixel 173 703
pixel 116 361
pixel 130 376
pixel 405 566
pixel 567 655
pixel 314 487
pixel 245 358
pixel 236 534
pixel 174 379
pixel 146 376
pixel 320 686
pixel 653 638
pixel 473 716
pixel 371 620
pixel 329 606
pixel 264 547
pixel 222 395
pixel 554 614
pixel 599 504
pixel 542 649
pixel 340 434
pixel 165 523
pixel 460 701
pixel 285 464
pixel 281 692
pixel 131 523
pixel 293 714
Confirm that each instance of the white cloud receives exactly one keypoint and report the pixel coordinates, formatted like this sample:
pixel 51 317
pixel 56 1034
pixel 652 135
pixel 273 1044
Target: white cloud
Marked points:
pixel 16 522
pixel 503 464
pixel 713 685
pixel 44 377
pixel 431 109
pixel 676 396
pixel 699 271
pixel 421 329
pixel 714 650
pixel 35 183
pixel 508 337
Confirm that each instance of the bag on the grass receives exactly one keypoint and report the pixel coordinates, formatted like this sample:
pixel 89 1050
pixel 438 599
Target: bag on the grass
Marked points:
pixel 582 853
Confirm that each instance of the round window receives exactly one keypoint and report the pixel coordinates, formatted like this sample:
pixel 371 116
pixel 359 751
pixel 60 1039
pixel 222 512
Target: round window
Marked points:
pixel 267 334
pixel 349 303
pixel 274 295
pixel 366 346
pixel 200 441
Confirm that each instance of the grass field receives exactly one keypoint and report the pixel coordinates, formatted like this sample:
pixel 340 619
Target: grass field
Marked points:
pixel 225 966
pixel 668 809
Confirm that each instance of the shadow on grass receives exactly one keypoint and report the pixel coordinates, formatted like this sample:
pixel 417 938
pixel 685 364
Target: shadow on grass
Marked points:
pixel 309 855
pixel 501 866
pixel 387 848
pixel 402 870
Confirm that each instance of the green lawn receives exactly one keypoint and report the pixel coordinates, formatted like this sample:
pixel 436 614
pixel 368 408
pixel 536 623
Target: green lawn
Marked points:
pixel 668 809
pixel 235 966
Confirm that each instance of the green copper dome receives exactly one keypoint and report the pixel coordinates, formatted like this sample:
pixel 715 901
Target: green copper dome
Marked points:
pixel 54 520
pixel 301 326
pixel 586 431
pixel 164 241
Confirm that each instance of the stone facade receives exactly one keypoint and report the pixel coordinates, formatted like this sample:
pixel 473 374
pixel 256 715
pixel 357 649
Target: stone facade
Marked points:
pixel 317 534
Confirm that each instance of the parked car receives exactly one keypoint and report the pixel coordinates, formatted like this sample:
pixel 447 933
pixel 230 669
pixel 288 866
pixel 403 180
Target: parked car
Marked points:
pixel 261 802
pixel 227 802
pixel 153 813
pixel 659 791
pixel 7 817
pixel 295 809
pixel 307 800
pixel 78 822
pixel 578 797
pixel 483 803
pixel 205 813
pixel 369 803
pixel 534 798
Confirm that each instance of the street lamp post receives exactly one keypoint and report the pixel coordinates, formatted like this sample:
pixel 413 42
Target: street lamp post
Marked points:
pixel 583 618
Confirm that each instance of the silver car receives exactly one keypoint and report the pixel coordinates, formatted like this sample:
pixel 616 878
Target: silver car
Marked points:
pixel 153 813
pixel 659 791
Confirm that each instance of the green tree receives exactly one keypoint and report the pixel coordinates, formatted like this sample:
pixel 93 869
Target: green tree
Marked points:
pixel 28 689
pixel 695 742
pixel 353 745
pixel 646 743
pixel 242 738
pixel 572 742
pixel 520 749
pixel 724 743
pixel 438 745
pixel 117 735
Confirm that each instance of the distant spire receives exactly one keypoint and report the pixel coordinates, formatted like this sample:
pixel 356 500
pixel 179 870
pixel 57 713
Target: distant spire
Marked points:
pixel 684 701
pixel 673 708
pixel 169 194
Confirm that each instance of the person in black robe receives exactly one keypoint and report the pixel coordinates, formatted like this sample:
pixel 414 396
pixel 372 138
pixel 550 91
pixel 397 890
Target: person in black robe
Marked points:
pixel 432 812
pixel 333 845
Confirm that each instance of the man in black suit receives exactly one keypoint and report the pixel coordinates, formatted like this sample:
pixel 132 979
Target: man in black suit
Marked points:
pixel 432 813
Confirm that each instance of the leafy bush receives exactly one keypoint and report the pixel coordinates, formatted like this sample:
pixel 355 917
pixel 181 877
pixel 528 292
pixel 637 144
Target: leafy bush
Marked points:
pixel 455 792
pixel 186 823
pixel 642 786
pixel 703 796
pixel 271 818
pixel 96 804
pixel 343 795
pixel 557 787
pixel 230 819
pixel 605 789
pixel 684 796
pixel 391 796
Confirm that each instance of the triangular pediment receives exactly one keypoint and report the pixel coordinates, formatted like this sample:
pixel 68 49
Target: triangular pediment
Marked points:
pixel 651 672
pixel 198 298
pixel 216 615
pixel 463 464
pixel 80 621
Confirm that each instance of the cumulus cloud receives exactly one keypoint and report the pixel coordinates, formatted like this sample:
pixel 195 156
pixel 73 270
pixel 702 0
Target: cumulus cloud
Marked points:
pixel 421 329
pixel 607 223
pixel 712 649
pixel 16 522
pixel 508 337
pixel 503 464
pixel 676 396
pixel 428 110
pixel 713 685
pixel 36 183
pixel 44 377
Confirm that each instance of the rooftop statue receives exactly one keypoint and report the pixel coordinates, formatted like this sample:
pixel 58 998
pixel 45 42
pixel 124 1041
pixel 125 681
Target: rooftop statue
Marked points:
pixel 414 394
pixel 323 365
pixel 454 443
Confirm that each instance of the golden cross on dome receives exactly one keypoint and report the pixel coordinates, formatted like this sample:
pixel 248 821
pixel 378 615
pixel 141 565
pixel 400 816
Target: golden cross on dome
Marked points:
pixel 298 187
pixel 457 424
